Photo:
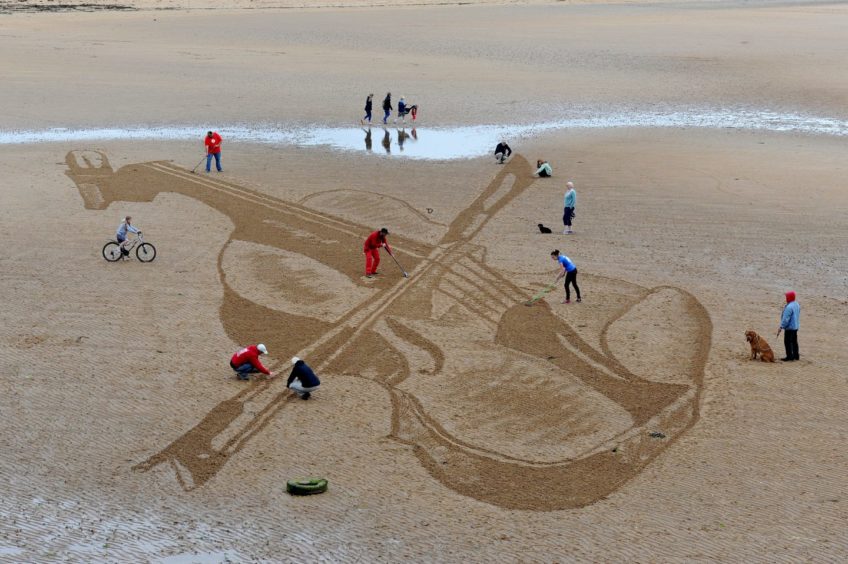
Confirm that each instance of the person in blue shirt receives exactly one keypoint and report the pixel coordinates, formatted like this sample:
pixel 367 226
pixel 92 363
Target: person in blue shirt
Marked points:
pixel 401 110
pixel 790 321
pixel 570 273
pixel 121 233
pixel 302 379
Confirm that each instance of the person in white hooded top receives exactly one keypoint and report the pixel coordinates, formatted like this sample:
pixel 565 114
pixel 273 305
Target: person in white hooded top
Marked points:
pixel 121 234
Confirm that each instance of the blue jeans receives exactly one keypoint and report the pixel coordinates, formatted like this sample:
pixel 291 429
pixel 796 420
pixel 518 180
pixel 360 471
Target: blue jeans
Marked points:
pixel 217 161
pixel 244 370
pixel 567 214
pixel 386 117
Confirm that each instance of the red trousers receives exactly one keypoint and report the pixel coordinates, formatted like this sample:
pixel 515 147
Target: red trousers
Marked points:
pixel 372 260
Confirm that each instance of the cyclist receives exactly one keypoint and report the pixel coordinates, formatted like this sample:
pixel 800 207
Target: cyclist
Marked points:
pixel 121 234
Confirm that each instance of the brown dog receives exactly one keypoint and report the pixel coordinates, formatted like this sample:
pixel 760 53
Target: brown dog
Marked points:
pixel 759 346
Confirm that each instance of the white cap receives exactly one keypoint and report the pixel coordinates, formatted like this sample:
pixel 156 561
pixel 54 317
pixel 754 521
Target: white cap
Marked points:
pixel 262 348
pixel 295 359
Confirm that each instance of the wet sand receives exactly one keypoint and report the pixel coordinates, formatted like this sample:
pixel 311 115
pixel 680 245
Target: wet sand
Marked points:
pixel 453 423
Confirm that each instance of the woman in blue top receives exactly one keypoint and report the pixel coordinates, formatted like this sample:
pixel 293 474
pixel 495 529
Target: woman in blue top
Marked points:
pixel 570 273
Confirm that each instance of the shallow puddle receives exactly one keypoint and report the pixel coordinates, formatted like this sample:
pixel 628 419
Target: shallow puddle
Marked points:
pixel 444 143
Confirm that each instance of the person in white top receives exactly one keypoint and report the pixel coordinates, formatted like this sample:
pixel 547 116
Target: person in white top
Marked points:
pixel 121 234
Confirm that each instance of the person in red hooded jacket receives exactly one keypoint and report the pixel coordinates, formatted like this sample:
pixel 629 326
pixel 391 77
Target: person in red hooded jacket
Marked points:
pixel 371 248
pixel 790 322
pixel 213 149
pixel 246 361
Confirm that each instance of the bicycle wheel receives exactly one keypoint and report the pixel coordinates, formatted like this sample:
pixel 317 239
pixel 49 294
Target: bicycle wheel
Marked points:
pixel 111 251
pixel 145 252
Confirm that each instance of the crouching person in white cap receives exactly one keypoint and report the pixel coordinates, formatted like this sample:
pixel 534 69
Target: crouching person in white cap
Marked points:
pixel 302 379
pixel 246 361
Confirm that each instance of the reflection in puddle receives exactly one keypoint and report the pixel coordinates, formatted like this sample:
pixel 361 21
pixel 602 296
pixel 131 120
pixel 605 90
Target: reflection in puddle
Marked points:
pixel 444 143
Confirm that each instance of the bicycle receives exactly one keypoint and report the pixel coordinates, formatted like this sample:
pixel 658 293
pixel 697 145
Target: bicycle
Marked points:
pixel 144 252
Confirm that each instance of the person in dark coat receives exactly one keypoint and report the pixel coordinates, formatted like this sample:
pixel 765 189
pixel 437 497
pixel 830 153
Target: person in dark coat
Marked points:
pixel 302 379
pixel 387 106
pixel 502 152
pixel 368 105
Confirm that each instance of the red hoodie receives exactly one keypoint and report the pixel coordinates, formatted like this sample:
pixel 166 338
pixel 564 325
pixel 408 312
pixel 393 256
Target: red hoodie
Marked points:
pixel 790 296
pixel 213 144
pixel 375 241
pixel 248 354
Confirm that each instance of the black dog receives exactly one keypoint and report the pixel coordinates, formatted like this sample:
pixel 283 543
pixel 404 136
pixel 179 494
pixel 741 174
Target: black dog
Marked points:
pixel 544 229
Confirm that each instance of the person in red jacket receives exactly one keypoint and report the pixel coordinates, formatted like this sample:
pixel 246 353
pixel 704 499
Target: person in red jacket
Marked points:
pixel 246 361
pixel 213 149
pixel 372 250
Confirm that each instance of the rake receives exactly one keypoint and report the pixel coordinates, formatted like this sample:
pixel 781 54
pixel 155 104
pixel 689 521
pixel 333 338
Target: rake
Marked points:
pixel 541 294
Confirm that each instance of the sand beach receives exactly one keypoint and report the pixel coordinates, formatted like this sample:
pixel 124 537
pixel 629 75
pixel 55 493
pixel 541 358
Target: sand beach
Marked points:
pixel 707 144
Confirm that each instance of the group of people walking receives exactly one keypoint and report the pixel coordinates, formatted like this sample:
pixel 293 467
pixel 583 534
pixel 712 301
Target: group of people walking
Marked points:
pixel 403 109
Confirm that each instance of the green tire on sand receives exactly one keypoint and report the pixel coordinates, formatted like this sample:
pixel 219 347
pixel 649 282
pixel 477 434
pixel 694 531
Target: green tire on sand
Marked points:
pixel 306 486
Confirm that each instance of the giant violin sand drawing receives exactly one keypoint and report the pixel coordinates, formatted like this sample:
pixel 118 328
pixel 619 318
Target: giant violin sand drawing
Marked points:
pixel 507 404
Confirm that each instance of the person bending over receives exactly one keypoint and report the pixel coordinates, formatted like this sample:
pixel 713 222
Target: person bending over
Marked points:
pixel 402 110
pixel 246 361
pixel 371 248
pixel 502 152
pixel 569 271
pixel 302 379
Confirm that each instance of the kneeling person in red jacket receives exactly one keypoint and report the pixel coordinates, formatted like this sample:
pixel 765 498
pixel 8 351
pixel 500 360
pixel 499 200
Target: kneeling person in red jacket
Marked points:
pixel 302 379
pixel 246 361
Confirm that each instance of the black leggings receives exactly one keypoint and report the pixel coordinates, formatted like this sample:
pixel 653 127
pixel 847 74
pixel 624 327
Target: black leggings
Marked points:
pixel 790 341
pixel 571 278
